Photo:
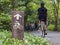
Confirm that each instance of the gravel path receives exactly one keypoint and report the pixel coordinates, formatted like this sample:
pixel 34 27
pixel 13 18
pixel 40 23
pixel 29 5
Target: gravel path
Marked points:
pixel 53 37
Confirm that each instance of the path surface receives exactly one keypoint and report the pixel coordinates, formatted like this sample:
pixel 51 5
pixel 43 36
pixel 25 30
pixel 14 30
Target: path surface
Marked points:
pixel 53 37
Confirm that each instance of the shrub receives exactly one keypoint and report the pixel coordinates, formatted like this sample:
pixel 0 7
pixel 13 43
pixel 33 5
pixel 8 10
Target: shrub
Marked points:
pixel 5 21
pixel 58 27
pixel 50 27
pixel 6 39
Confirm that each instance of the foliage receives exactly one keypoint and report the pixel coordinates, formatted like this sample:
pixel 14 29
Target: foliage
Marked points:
pixel 6 39
pixel 5 21
pixel 30 7
pixel 32 18
pixel 51 27
pixel 59 28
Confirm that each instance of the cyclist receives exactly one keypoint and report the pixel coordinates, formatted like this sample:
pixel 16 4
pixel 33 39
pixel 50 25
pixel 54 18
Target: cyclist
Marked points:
pixel 42 15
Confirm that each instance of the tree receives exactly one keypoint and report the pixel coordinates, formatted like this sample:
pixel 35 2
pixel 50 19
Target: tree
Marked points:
pixel 56 13
pixel 4 5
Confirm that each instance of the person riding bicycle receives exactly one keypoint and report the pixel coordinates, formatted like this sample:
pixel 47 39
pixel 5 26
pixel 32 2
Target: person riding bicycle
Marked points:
pixel 42 15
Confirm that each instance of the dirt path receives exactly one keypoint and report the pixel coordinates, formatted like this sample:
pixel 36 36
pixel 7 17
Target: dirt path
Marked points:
pixel 53 37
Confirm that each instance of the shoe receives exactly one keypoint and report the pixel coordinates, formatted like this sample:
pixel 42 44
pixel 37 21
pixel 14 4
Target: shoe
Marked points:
pixel 45 33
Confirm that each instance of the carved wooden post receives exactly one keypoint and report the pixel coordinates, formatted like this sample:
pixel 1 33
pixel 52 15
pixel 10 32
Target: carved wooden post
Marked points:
pixel 18 24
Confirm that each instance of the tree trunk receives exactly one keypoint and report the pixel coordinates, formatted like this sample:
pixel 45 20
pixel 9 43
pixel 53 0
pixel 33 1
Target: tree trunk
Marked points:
pixel 56 24
pixel 26 14
pixel 56 17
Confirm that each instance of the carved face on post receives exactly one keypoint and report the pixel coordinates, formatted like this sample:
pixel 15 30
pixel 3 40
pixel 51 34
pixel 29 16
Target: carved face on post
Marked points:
pixel 18 24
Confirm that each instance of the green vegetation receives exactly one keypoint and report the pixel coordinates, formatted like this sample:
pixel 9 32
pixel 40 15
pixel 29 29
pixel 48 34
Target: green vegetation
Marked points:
pixel 51 27
pixel 5 21
pixel 59 28
pixel 30 8
pixel 6 39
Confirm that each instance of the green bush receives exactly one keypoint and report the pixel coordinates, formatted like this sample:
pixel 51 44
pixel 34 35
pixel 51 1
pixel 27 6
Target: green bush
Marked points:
pixel 58 27
pixel 6 39
pixel 5 21
pixel 50 27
